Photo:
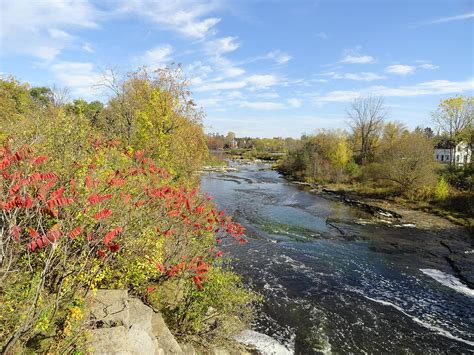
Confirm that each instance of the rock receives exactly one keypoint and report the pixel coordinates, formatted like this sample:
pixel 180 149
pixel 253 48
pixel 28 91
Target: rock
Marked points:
pixel 127 326
pixel 463 266
pixel 141 342
pixel 166 340
pixel 140 314
pixel 110 308
pixel 188 349
pixel 110 341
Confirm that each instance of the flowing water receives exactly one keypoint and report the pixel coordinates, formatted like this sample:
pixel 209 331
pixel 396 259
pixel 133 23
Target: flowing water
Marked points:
pixel 327 289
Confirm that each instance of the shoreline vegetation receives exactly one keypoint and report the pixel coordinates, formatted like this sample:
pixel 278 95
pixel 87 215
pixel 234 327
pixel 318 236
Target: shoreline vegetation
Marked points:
pixel 377 159
pixel 101 196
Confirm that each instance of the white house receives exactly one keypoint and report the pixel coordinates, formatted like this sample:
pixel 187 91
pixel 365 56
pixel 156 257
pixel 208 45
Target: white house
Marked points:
pixel 449 152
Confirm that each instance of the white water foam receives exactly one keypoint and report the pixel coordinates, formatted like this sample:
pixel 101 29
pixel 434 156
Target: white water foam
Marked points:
pixel 406 225
pixel 265 344
pixel 434 328
pixel 449 281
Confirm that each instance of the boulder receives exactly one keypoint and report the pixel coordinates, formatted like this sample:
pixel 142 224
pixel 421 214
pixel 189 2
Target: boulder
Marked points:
pixel 188 349
pixel 108 341
pixel 139 341
pixel 109 308
pixel 166 340
pixel 124 325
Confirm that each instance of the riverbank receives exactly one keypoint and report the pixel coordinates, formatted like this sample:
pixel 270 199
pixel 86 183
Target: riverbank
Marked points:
pixel 452 240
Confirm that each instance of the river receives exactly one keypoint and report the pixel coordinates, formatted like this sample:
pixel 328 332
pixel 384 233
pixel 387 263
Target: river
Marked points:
pixel 329 284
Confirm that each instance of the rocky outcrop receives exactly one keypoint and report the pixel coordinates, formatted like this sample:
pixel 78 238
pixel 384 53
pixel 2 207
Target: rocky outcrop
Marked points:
pixel 124 325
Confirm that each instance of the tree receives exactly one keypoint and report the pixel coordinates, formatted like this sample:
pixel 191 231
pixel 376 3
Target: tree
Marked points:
pixel 366 116
pixel 43 96
pixel 14 101
pixel 409 164
pixel 455 117
pixel 229 139
pixel 91 110
pixel 155 112
pixel 320 157
pixel 392 132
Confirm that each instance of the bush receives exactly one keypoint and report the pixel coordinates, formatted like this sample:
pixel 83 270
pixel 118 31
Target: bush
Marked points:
pixel 441 191
pixel 83 208
pixel 116 224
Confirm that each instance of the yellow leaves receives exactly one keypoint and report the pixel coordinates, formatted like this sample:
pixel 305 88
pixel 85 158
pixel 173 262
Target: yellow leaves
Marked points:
pixel 453 103
pixel 75 314
pixel 341 154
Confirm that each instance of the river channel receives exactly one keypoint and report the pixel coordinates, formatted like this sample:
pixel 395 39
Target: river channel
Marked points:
pixel 329 284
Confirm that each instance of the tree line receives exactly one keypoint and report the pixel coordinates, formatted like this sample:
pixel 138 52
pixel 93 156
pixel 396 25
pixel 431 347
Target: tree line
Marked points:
pixel 386 155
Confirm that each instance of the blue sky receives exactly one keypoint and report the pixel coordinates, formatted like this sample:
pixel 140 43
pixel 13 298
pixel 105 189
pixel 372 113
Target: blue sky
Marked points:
pixel 258 68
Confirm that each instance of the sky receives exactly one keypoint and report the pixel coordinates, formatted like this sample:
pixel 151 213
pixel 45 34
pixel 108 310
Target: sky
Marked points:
pixel 257 68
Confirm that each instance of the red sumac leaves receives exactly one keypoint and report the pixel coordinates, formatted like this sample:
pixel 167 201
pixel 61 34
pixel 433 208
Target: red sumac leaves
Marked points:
pixel 105 213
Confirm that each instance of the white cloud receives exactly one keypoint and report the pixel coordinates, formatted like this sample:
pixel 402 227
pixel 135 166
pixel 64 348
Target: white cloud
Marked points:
pixel 253 82
pixel 80 77
pixel 434 87
pixel 209 102
pixel 272 105
pixel 357 59
pixel 322 35
pixel 199 68
pixel 465 16
pixel 295 102
pixel 279 56
pixel 429 66
pixel 156 57
pixel 221 85
pixel 59 34
pixel 262 81
pixel 400 69
pixel 187 17
pixel 362 76
pixel 354 56
pixel 232 72
pixel 268 95
pixel 199 29
pixel 263 105
pixel 235 95
pixel 224 68
pixel 222 45
pixel 88 47
pixel 39 28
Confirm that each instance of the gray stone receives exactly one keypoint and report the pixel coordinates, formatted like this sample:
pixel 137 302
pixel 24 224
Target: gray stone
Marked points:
pixel 140 342
pixel 127 326
pixel 166 340
pixel 140 314
pixel 108 341
pixel 220 351
pixel 109 308
pixel 188 349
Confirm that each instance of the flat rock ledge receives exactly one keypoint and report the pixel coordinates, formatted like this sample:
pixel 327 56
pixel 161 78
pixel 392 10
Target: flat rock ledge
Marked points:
pixel 124 325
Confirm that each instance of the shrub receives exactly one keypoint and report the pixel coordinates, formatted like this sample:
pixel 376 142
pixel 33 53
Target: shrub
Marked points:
pixel 441 191
pixel 116 223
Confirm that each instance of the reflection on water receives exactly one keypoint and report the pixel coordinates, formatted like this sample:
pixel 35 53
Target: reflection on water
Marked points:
pixel 326 289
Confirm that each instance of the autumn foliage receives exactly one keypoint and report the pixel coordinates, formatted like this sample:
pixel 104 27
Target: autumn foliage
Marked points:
pixel 83 209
